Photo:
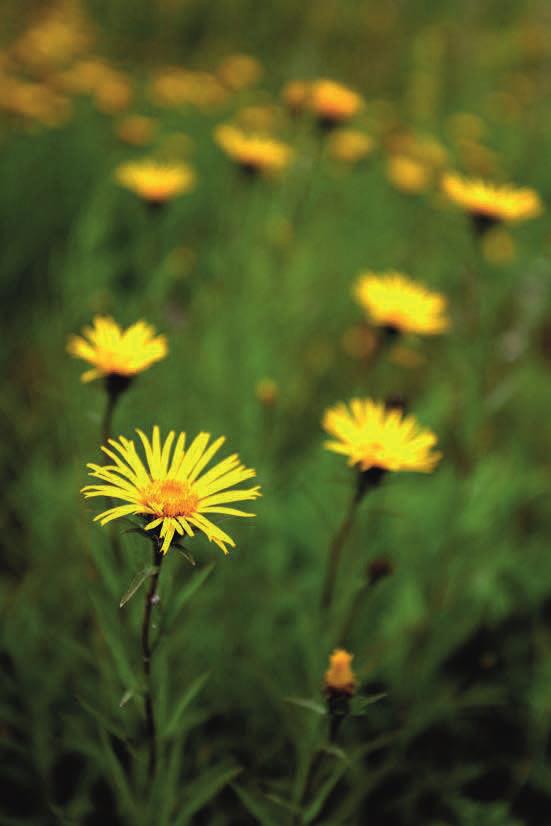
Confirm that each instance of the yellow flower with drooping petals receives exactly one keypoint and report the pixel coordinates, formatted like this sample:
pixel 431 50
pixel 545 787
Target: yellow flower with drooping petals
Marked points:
pixel 339 677
pixel 170 489
pixel 154 181
pixel 394 301
pixel 350 145
pixel 491 202
pixel 116 352
pixel 253 153
pixel 373 436
pixel 333 103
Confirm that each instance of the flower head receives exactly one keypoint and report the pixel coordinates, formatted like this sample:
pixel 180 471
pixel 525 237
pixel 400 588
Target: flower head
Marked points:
pixel 333 103
pixel 296 94
pixel 155 182
pixel 489 203
pixel 253 153
pixel 376 437
pixel 395 302
pixel 170 489
pixel 117 352
pixel 339 677
pixel 408 174
pixel 350 145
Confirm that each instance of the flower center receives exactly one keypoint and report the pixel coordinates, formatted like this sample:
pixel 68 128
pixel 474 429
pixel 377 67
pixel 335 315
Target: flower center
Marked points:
pixel 169 497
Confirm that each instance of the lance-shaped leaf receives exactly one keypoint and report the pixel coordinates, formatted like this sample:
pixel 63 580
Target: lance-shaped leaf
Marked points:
pixel 137 583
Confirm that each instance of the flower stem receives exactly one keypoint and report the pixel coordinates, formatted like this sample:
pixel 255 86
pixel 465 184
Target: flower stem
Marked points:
pixel 150 600
pixel 335 552
pixel 108 418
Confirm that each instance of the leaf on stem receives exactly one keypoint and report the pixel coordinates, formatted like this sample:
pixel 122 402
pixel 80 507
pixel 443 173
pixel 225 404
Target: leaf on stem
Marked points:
pixel 137 583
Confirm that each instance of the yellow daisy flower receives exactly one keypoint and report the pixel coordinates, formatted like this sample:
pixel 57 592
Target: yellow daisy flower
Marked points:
pixel 169 489
pixel 155 182
pixel 398 304
pixel 253 153
pixel 489 204
pixel 333 103
pixel 374 436
pixel 339 677
pixel 117 352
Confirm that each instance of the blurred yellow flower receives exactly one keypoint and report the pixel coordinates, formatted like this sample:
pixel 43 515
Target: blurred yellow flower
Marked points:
pixel 333 103
pixel 489 203
pixel 339 677
pixel 350 145
pixel 253 153
pixel 154 181
pixel 374 437
pixel 172 490
pixel 267 392
pixel 137 130
pixel 295 95
pixel 408 175
pixel 239 71
pixel 113 93
pixel 117 352
pixel 395 302
pixel 174 86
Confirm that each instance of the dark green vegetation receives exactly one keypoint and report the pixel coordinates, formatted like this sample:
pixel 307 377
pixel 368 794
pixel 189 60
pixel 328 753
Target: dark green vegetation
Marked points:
pixel 457 638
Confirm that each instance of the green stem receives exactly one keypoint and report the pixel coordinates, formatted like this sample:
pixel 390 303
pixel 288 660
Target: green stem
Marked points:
pixel 335 553
pixel 150 600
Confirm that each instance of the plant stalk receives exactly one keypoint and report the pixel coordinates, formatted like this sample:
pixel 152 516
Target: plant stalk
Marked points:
pixel 335 553
pixel 150 600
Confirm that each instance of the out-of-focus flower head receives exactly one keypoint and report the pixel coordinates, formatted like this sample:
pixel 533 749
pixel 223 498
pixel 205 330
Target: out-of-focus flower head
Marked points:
pixel 408 175
pixel 267 392
pixel 333 103
pixel 256 154
pixel 295 95
pixel 350 145
pixel 174 86
pixel 154 181
pixel 396 302
pixel 489 204
pixel 239 71
pixel 55 39
pixel 137 130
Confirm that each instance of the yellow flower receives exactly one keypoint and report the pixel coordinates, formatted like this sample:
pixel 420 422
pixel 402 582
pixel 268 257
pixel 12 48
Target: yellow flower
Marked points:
pixel 339 677
pixel 375 437
pixel 349 145
pixel 136 130
pixel 172 490
pixel 154 181
pixel 397 303
pixel 239 71
pixel 333 103
pixel 117 352
pixel 253 153
pixel 490 203
pixel 295 95
pixel 267 392
pixel 408 175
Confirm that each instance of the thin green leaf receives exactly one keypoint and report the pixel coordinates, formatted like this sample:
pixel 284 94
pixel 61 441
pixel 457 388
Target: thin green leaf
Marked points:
pixel 258 805
pixel 204 789
pixel 137 583
pixel 305 702
pixel 185 701
pixel 316 806
pixel 178 602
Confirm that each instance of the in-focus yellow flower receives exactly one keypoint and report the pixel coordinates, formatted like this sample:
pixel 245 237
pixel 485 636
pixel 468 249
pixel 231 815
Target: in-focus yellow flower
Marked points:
pixel 169 489
pixel 350 145
pixel 333 103
pixel 117 352
pixel 137 130
pixel 154 181
pixel 339 677
pixel 489 204
pixel 376 437
pixel 253 153
pixel 408 175
pixel 394 301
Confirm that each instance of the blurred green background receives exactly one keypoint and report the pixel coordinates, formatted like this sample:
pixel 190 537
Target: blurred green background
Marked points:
pixel 251 279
